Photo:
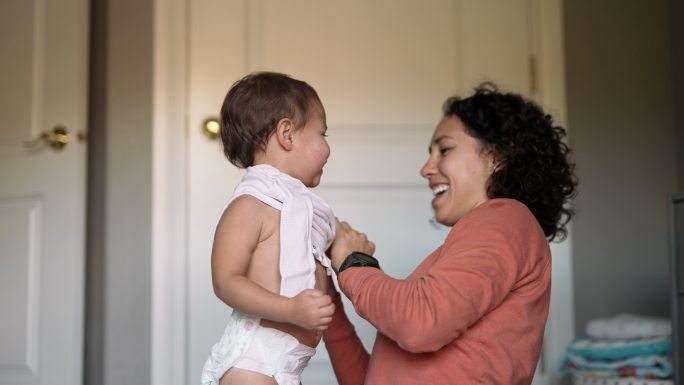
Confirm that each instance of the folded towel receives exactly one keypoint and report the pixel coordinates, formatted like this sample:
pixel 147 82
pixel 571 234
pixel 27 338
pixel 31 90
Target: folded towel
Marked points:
pixel 593 349
pixel 629 326
pixel 648 366
pixel 588 380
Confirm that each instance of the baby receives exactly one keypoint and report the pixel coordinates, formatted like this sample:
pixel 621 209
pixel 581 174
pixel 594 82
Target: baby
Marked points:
pixel 268 259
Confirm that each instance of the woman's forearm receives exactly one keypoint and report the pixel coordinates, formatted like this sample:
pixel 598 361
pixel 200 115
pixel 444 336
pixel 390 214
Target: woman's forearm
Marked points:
pixel 347 354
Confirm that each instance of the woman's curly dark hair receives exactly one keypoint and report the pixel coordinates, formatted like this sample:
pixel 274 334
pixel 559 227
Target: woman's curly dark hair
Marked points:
pixel 533 160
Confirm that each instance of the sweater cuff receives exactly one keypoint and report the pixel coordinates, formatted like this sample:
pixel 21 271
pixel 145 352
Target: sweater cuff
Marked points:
pixel 351 279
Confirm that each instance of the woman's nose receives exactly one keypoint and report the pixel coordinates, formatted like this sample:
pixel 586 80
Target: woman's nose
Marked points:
pixel 428 168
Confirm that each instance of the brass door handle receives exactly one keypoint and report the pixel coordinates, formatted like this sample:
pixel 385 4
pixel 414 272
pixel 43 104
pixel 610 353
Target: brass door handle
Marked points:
pixel 211 128
pixel 57 139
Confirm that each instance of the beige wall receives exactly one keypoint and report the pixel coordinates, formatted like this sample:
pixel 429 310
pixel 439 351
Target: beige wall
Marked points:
pixel 622 128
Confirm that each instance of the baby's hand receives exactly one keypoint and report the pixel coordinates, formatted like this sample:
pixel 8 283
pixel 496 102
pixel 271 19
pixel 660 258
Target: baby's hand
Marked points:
pixel 311 309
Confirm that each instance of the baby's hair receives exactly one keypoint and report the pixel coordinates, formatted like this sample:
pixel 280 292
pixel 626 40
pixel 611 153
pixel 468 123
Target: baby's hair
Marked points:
pixel 254 105
pixel 534 166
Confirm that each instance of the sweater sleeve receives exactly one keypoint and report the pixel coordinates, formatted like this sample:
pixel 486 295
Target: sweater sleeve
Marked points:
pixel 481 261
pixel 347 354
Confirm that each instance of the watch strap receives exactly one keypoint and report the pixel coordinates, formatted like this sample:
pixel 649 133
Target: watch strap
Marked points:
pixel 358 259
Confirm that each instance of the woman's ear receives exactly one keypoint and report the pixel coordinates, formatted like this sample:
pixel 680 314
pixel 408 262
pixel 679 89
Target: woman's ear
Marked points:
pixel 498 166
pixel 285 133
pixel 498 162
pixel 495 159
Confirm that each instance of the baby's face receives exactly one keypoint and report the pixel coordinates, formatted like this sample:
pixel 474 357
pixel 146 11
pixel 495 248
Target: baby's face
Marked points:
pixel 311 149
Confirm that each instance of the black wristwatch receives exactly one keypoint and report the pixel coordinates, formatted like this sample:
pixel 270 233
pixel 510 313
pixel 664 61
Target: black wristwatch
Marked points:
pixel 358 258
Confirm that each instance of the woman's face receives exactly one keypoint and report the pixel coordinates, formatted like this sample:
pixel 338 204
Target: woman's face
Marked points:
pixel 458 170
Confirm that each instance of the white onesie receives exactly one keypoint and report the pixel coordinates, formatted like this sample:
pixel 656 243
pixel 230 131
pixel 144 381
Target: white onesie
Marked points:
pixel 307 228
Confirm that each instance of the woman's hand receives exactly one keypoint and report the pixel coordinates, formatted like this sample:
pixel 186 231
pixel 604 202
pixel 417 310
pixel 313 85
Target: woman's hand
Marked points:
pixel 347 241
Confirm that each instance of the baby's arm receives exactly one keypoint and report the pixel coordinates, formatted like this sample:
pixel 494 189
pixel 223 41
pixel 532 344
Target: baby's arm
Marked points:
pixel 237 235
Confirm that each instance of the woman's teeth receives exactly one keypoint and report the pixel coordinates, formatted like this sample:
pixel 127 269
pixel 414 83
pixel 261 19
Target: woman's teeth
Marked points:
pixel 440 189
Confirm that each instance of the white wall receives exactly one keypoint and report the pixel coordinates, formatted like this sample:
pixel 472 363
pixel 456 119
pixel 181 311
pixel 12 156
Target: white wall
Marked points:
pixel 622 129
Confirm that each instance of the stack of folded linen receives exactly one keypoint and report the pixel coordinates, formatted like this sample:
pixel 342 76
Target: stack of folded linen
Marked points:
pixel 625 349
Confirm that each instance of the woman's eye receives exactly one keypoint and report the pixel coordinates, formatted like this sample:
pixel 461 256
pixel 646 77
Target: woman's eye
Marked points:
pixel 443 151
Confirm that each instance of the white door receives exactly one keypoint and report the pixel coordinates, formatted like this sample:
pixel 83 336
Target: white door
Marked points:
pixel 43 73
pixel 382 69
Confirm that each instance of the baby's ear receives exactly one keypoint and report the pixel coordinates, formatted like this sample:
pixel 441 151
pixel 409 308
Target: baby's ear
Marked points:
pixel 285 133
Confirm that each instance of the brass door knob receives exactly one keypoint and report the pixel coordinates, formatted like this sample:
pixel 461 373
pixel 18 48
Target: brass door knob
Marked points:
pixel 211 128
pixel 57 138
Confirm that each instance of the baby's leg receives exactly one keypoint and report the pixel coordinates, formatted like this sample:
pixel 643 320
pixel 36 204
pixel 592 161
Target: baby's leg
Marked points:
pixel 237 376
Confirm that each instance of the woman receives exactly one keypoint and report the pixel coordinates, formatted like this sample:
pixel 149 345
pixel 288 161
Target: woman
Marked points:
pixel 473 311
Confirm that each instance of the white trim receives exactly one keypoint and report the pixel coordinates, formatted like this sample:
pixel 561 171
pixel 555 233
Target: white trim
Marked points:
pixel 551 91
pixel 169 332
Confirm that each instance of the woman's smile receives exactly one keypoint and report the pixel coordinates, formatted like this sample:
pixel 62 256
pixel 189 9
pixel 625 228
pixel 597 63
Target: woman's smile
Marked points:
pixel 439 189
pixel 439 192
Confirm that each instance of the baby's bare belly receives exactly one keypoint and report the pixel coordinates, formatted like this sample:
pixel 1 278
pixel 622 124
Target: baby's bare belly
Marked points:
pixel 306 337
pixel 309 338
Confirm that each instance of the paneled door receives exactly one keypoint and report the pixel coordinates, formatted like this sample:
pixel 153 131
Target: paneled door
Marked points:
pixel 382 69
pixel 43 74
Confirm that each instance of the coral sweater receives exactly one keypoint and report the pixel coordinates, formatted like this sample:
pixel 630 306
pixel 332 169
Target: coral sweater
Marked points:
pixel 473 312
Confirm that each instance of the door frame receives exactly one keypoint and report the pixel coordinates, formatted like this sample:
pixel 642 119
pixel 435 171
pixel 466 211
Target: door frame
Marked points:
pixel 169 202
pixel 169 197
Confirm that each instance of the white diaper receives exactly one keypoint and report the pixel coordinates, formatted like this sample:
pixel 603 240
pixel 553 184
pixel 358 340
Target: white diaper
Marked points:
pixel 277 354
pixel 247 345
